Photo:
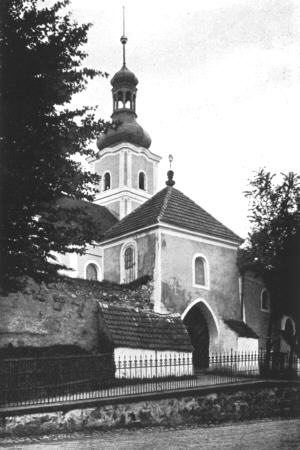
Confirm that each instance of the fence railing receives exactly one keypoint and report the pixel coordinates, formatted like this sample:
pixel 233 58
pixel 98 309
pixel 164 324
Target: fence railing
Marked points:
pixel 42 381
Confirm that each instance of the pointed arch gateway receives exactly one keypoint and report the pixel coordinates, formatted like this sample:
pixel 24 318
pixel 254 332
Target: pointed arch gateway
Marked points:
pixel 202 325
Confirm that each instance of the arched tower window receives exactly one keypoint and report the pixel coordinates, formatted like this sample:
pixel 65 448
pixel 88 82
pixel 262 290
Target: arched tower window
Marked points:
pixel 200 271
pixel 91 272
pixel 115 102
pixel 128 100
pixel 142 181
pixel 265 300
pixel 124 99
pixel 120 100
pixel 106 181
pixel 128 263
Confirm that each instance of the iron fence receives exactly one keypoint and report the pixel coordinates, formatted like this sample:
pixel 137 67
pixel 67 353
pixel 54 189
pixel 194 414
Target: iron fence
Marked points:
pixel 44 381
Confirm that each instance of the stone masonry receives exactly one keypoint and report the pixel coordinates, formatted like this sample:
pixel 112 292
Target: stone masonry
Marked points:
pixel 62 312
pixel 206 408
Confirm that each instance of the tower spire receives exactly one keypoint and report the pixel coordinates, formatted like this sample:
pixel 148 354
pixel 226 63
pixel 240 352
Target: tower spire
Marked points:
pixel 124 38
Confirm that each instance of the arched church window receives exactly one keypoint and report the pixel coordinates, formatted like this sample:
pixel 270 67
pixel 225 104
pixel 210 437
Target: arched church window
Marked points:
pixel 107 181
pixel 289 331
pixel 289 327
pixel 128 262
pixel 200 271
pixel 91 272
pixel 142 181
pixel 265 300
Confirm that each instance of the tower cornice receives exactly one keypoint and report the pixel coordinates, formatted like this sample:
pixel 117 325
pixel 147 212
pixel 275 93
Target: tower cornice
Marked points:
pixel 124 146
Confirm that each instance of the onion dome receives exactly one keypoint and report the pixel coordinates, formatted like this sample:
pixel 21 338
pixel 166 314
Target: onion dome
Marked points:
pixel 124 76
pixel 124 127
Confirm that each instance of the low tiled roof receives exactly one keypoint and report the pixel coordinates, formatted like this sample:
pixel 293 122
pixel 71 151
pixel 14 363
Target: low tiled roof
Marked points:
pixel 140 329
pixel 240 328
pixel 100 215
pixel 171 206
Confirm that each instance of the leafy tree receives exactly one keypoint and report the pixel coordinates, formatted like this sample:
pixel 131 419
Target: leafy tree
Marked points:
pixel 42 55
pixel 272 249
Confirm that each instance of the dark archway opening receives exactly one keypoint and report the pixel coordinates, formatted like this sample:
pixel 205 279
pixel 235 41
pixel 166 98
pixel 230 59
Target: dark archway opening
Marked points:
pixel 198 331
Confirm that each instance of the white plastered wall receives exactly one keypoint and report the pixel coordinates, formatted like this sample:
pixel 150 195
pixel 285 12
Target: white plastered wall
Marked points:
pixel 248 363
pixel 131 363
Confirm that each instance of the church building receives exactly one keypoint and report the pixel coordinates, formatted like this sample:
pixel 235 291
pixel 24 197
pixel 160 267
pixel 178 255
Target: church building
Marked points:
pixel 162 233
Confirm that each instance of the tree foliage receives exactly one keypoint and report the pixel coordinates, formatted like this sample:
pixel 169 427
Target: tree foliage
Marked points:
pixel 42 57
pixel 272 249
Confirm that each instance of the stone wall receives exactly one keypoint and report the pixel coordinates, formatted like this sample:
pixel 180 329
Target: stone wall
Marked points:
pixel 206 408
pixel 62 312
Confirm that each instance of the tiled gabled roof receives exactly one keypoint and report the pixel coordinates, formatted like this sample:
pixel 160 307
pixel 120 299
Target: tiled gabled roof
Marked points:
pixel 171 206
pixel 140 329
pixel 240 328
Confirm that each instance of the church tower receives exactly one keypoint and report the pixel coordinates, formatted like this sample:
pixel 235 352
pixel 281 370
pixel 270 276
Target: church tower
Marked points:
pixel 127 167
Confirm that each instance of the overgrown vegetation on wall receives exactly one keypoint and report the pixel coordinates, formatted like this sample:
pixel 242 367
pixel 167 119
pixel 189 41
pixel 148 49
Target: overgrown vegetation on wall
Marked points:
pixel 63 312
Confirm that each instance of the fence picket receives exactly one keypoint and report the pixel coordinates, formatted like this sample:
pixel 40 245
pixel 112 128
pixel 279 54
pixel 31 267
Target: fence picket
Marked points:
pixel 40 381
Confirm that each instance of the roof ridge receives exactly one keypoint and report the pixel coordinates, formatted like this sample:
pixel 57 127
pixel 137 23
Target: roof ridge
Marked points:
pixel 165 203
pixel 206 212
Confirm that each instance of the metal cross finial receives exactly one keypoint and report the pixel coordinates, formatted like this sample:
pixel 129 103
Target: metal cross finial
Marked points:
pixel 124 38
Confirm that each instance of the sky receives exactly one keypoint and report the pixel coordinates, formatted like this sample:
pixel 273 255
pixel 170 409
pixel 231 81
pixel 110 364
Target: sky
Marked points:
pixel 219 89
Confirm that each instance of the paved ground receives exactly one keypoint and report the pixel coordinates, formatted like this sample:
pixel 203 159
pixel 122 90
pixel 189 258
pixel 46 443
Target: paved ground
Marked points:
pixel 262 435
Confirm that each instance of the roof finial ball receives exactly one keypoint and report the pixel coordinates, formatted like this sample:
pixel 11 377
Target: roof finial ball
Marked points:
pixel 123 39
pixel 170 173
